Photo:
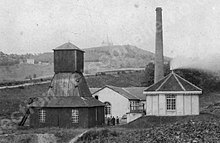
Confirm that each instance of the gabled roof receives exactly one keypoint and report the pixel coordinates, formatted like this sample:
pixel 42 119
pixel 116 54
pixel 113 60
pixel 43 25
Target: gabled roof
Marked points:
pixel 93 90
pixel 69 84
pixel 68 46
pixel 173 83
pixel 137 91
pixel 69 101
pixel 121 91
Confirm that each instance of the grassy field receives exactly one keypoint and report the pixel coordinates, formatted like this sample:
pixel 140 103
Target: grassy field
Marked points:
pixel 62 135
pixel 22 71
pixel 201 128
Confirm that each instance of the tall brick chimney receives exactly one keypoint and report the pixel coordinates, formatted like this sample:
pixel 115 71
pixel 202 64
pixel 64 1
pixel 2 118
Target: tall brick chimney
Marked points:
pixel 159 61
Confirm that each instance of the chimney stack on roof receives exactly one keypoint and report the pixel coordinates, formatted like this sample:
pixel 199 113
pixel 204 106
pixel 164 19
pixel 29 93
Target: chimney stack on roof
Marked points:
pixel 159 59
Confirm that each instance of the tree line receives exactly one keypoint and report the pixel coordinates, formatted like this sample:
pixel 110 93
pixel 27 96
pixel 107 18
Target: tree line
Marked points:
pixel 208 81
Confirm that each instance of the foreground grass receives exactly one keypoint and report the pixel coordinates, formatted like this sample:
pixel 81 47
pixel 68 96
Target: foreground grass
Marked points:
pixel 195 129
pixel 63 135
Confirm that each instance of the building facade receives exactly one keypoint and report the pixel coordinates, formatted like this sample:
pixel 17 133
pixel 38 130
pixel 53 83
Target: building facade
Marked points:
pixel 121 102
pixel 172 96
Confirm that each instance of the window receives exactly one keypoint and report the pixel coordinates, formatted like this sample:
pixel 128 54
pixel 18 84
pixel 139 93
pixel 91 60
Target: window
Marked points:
pixel 134 105
pixel 42 116
pixel 171 102
pixel 107 108
pixel 75 116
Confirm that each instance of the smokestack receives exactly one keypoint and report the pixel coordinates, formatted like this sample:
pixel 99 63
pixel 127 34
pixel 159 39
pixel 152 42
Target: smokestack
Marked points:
pixel 159 61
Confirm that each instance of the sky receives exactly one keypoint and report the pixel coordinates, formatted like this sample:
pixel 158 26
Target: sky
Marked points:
pixel 190 28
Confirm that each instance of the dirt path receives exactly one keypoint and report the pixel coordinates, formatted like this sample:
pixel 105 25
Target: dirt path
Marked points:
pixel 77 137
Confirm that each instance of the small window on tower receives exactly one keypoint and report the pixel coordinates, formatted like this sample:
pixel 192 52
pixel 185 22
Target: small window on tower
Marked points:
pixel 42 116
pixel 75 116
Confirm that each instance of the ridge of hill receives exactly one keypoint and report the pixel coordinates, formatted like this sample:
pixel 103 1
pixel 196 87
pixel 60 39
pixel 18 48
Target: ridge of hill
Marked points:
pixel 96 59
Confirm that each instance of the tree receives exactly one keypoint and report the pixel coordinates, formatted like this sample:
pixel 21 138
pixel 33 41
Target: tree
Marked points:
pixel 149 73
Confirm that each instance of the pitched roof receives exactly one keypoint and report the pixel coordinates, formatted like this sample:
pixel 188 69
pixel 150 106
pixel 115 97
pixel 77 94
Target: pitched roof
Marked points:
pixel 69 101
pixel 137 91
pixel 173 83
pixel 68 46
pixel 69 84
pixel 93 90
pixel 121 91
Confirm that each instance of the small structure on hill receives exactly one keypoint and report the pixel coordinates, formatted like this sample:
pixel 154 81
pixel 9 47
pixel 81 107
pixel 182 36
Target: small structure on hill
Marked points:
pixel 30 61
pixel 172 96
pixel 122 102
pixel 69 102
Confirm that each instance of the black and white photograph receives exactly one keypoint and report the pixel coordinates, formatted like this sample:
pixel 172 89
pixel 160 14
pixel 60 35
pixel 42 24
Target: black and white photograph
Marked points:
pixel 109 71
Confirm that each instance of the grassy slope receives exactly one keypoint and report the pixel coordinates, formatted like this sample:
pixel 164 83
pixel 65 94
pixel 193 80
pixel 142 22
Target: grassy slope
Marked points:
pixel 10 99
pixel 202 128
pixel 20 72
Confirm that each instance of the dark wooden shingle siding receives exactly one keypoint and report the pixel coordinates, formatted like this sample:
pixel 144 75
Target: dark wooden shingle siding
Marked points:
pixel 62 117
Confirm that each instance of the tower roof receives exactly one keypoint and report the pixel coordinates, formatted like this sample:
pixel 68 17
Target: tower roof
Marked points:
pixel 173 83
pixel 69 101
pixel 69 84
pixel 68 46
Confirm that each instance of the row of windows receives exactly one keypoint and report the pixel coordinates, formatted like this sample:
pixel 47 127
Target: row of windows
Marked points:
pixel 74 116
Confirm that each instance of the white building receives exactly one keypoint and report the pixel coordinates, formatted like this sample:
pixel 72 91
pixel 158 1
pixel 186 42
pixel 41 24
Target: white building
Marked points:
pixel 30 61
pixel 172 96
pixel 121 102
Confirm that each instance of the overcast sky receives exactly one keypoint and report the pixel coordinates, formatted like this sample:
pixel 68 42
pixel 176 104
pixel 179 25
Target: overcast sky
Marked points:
pixel 191 27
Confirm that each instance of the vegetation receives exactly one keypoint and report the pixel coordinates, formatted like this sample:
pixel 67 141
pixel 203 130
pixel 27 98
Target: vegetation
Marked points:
pixel 202 128
pixel 149 73
pixel 208 81
pixel 62 135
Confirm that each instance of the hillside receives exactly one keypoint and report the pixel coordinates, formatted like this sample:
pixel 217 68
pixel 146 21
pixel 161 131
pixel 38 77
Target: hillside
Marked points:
pixel 24 71
pixel 96 59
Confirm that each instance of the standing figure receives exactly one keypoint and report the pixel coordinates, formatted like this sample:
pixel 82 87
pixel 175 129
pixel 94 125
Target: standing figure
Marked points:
pixel 108 121
pixel 113 120
pixel 117 120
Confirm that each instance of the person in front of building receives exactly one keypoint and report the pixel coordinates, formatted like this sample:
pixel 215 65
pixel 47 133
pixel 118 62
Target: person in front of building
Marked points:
pixel 117 120
pixel 113 120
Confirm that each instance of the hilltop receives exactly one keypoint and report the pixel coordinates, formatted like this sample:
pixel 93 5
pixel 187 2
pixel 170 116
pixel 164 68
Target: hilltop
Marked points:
pixel 96 59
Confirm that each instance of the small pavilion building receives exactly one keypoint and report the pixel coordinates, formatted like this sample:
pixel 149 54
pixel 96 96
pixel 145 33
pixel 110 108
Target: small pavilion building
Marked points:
pixel 172 96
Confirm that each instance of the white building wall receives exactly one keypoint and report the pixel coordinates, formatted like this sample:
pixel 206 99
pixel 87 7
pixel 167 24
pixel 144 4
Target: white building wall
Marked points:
pixel 120 104
pixel 149 105
pixel 133 116
pixel 162 105
pixel 155 104
pixel 185 105
pixel 179 105
pixel 195 104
